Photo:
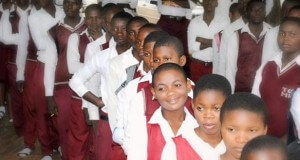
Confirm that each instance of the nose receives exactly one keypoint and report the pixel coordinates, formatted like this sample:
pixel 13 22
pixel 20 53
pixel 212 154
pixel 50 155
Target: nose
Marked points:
pixel 241 138
pixel 208 114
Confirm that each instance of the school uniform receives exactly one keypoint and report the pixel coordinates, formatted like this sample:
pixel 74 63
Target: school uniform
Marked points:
pixel 275 86
pixel 79 134
pixel 98 64
pixel 216 45
pixel 156 140
pixel 175 16
pixel 39 23
pixel 62 92
pixel 270 47
pixel 201 60
pixel 228 31
pixel 244 58
pixel 14 34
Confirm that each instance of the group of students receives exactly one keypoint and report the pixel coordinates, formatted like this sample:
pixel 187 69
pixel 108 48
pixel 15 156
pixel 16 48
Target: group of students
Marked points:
pixel 111 85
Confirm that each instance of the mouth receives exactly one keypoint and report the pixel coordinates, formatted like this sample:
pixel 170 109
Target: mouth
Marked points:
pixel 209 126
pixel 173 101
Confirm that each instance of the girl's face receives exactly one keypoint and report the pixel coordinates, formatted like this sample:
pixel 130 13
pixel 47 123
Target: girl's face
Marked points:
pixel 171 89
pixel 289 37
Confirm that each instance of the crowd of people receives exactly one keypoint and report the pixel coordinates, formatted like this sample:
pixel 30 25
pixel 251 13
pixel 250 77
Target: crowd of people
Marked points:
pixel 100 82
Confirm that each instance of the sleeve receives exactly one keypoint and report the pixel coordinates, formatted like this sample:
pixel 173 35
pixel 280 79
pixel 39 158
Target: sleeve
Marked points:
pixel 257 81
pixel 22 51
pixel 223 51
pixel 193 46
pixel 77 82
pixel 231 58
pixel 73 55
pixel 216 55
pixel 270 47
pixel 295 109
pixel 8 37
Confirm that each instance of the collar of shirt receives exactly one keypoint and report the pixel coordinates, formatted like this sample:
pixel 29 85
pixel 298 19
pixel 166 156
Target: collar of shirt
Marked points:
pixel 51 21
pixel 278 61
pixel 266 27
pixel 147 77
pixel 22 12
pixel 72 29
pixel 169 151
pixel 141 68
pixel 128 59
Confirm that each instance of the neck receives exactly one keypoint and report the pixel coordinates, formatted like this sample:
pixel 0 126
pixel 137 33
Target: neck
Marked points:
pixel 24 7
pixel 287 58
pixel 174 118
pixel 213 139
pixel 145 68
pixel 256 29
pixel 245 19
pixel 135 54
pixel 122 47
pixel 208 16
pixel 50 9
pixel 72 21
pixel 227 156
pixel 108 36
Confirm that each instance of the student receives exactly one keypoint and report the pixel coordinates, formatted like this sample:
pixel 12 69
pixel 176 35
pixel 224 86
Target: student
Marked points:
pixel 77 53
pixel 246 49
pixel 39 23
pixel 265 148
pixel 201 31
pixel 129 96
pixel 15 34
pixel 270 47
pixel 171 122
pixel 243 117
pixel 228 31
pixel 234 15
pixel 167 49
pixel 280 74
pixel 223 8
pixel 98 64
pixel 210 93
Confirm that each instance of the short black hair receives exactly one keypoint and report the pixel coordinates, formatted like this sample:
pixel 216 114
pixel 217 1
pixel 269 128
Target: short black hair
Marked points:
pixel 151 26
pixel 297 7
pixel 290 19
pixel 154 36
pixel 110 7
pixel 245 101
pixel 137 19
pixel 166 67
pixel 212 82
pixel 234 8
pixel 170 41
pixel 249 5
pixel 93 7
pixel 262 143
pixel 122 16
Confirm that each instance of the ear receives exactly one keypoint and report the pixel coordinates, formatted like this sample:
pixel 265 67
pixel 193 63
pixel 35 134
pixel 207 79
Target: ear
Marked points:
pixel 152 91
pixel 182 60
pixel 189 86
pixel 265 130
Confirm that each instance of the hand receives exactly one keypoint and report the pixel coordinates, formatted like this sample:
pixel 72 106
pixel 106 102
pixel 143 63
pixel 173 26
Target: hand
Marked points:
pixel 95 33
pixel 100 103
pixel 87 117
pixel 20 86
pixel 205 43
pixel 52 107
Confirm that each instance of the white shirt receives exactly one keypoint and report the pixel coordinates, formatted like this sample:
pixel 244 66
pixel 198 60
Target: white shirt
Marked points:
pixel 295 110
pixel 271 47
pixel 169 151
pixel 117 75
pixel 223 8
pixel 39 23
pixel 20 39
pixel 174 11
pixel 228 31
pixel 205 150
pixel 12 8
pixel 199 28
pixel 277 59
pixel 233 51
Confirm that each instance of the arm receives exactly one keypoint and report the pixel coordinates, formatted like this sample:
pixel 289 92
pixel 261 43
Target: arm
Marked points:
pixel 257 81
pixel 204 43
pixel 295 109
pixel 232 56
pixel 73 55
pixel 216 56
pixel 7 36
pixel 193 45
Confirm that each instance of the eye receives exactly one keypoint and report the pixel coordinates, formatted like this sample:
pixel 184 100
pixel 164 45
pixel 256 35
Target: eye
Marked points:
pixel 161 89
pixel 252 130
pixel 178 85
pixel 155 60
pixel 199 108
pixel 217 108
pixel 146 54
pixel 231 129
pixel 167 59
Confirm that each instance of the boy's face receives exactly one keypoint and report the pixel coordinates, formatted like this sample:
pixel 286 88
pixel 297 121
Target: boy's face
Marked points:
pixel 242 5
pixel 207 106
pixel 148 54
pixel 294 13
pixel 142 34
pixel 171 89
pixel 234 16
pixel 289 37
pixel 267 154
pixel 210 5
pixel 93 19
pixel 43 3
pixel 22 3
pixel 256 12
pixel 119 31
pixel 133 30
pixel 166 54
pixel 71 8
pixel 238 127
pixel 107 20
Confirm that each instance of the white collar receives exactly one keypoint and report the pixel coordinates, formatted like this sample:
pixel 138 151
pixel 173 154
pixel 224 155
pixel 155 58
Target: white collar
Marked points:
pixel 22 12
pixel 147 77
pixel 81 22
pixel 278 60
pixel 141 68
pixel 246 29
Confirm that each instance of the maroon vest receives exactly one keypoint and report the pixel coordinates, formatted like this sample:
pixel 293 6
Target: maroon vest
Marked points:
pixel 5 49
pixel 249 60
pixel 156 144
pixel 276 90
pixel 62 36
pixel 14 21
